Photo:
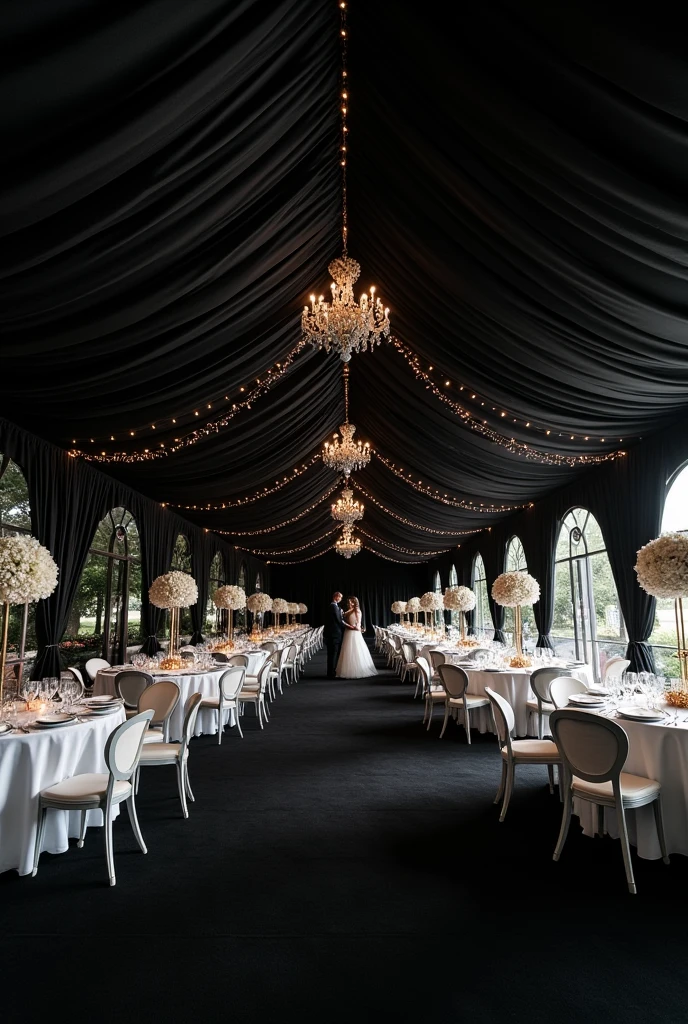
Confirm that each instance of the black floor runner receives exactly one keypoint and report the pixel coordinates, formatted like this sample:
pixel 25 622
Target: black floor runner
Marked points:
pixel 345 865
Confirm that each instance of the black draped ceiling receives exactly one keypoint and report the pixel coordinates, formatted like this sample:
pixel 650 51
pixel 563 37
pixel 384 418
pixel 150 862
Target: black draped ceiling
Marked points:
pixel 516 193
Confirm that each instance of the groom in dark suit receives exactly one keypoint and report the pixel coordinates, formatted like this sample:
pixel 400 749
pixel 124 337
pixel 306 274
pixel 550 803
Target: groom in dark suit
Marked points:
pixel 334 631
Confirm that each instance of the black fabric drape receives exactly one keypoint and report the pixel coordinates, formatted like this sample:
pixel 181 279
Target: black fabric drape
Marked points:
pixel 493 558
pixel 200 570
pixel 539 538
pixel 157 547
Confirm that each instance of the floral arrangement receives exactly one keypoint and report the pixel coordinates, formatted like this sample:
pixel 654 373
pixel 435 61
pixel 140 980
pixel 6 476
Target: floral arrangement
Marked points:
pixel 28 571
pixel 662 566
pixel 259 603
pixel 303 609
pixel 459 599
pixel 413 604
pixel 230 597
pixel 173 590
pixel 280 606
pixel 293 607
pixel 431 602
pixel 399 607
pixel 512 589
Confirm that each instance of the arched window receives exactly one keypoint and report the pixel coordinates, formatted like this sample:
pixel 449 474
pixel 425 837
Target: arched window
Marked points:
pixel 106 611
pixel 181 560
pixel 15 518
pixel 216 579
pixel 258 583
pixel 482 620
pixel 515 561
pixel 453 577
pixel 587 617
pixel 437 583
pixel 674 520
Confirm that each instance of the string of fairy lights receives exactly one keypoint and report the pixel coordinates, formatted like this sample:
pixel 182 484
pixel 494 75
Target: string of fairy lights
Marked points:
pixel 152 442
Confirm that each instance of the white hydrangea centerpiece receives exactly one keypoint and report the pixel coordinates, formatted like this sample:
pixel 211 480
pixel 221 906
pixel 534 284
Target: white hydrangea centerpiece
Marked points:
pixel 230 597
pixel 413 607
pixel 513 590
pixel 461 600
pixel 259 603
pixel 431 602
pixel 173 590
pixel 398 607
pixel 662 566
pixel 28 573
pixel 279 607
pixel 303 609
pixel 662 571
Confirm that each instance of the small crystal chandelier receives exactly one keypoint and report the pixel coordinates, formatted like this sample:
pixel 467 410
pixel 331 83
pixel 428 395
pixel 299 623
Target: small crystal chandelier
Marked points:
pixel 347 545
pixel 346 456
pixel 345 510
pixel 345 326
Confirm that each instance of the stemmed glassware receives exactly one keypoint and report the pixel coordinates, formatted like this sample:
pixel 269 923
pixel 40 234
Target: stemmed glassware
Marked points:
pixel 28 690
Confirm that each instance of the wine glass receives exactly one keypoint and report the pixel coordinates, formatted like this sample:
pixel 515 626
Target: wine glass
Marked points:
pixel 28 690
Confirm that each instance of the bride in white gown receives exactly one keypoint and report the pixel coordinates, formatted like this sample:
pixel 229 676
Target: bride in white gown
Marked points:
pixel 355 661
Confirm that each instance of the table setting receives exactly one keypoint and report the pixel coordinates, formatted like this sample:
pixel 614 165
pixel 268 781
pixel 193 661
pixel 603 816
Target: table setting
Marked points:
pixel 42 742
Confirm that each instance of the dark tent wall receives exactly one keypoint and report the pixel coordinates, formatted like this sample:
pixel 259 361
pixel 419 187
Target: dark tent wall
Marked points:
pixel 68 499
pixel 627 499
pixel 375 582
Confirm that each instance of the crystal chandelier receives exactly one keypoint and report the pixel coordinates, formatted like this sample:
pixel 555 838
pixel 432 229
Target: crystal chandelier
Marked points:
pixel 345 510
pixel 347 545
pixel 347 455
pixel 345 326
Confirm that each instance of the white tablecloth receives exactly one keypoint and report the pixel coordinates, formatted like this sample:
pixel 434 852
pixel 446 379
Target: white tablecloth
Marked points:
pixel 658 752
pixel 514 685
pixel 33 762
pixel 206 683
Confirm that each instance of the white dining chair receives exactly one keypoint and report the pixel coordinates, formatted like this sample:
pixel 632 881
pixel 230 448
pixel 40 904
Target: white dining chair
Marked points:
pixel 93 666
pixel 563 687
pixel 230 683
pixel 249 695
pixel 474 652
pixel 79 679
pixel 433 693
pixel 594 751
pixel 156 754
pixel 542 704
pixel 268 646
pixel 455 681
pixel 238 661
pixel 161 698
pixel 100 790
pixel 515 752
pixel 290 664
pixel 409 665
pixel 615 668
pixel 129 685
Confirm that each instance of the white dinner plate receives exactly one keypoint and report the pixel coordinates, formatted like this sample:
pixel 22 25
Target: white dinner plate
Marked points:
pixel 586 699
pixel 53 720
pixel 104 698
pixel 104 709
pixel 5 727
pixel 598 691
pixel 641 714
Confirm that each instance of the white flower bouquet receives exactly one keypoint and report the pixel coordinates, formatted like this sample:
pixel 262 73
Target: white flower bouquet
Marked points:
pixel 459 599
pixel 303 609
pixel 431 602
pixel 513 589
pixel 28 571
pixel 173 590
pixel 259 603
pixel 398 607
pixel 662 566
pixel 233 598
pixel 280 606
pixel 413 605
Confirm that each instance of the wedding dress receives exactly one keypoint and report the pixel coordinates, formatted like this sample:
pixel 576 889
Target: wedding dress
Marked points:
pixel 355 661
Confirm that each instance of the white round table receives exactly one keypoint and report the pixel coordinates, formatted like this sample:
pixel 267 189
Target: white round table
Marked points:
pixel 659 752
pixel 32 762
pixel 514 685
pixel 206 683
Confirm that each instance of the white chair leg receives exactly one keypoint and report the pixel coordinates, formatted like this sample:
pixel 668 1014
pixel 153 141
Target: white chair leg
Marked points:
pixel 187 784
pixel 502 783
pixel 467 722
pixel 508 789
pixel 265 711
pixel 40 832
pixel 133 818
pixel 260 717
pixel 659 822
pixel 625 848
pixel 550 773
pixel 82 829
pixel 565 820
pixel 182 788
pixel 238 723
pixel 446 718
pixel 219 725
pixel 109 852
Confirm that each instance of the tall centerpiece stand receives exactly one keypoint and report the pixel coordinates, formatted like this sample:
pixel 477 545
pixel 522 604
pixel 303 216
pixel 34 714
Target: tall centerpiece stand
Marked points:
pixel 28 573
pixel 279 607
pixel 258 604
pixel 513 590
pixel 662 571
pixel 230 599
pixel 460 600
pixel 413 607
pixel 173 591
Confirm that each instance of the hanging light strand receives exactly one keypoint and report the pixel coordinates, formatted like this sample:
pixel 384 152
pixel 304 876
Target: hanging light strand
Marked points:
pixel 480 426
pixel 161 450
pixel 265 492
pixel 409 522
pixel 292 551
pixel 435 493
pixel 344 110
pixel 286 522
pixel 397 547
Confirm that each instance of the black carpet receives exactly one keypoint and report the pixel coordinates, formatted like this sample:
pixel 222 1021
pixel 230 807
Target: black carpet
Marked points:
pixel 345 865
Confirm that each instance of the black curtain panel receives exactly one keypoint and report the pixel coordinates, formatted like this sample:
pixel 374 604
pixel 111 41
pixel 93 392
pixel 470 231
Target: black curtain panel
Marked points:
pixel 538 534
pixel 201 558
pixel 157 546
